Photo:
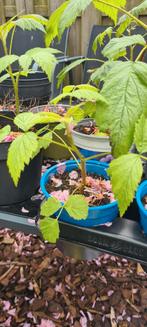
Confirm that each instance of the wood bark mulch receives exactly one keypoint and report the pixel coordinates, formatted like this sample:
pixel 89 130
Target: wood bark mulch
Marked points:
pixel 40 287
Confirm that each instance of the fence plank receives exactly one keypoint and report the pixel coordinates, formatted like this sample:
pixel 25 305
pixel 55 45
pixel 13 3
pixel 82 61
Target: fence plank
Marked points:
pixel 54 4
pixel 80 31
pixel 29 6
pixel 89 18
pixel 20 6
pixel 2 12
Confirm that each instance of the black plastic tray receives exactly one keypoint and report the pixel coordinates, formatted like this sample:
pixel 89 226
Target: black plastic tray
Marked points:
pixel 123 238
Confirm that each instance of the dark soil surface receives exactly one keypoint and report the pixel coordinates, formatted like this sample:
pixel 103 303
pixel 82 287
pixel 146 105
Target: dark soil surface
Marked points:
pixel 95 191
pixel 41 287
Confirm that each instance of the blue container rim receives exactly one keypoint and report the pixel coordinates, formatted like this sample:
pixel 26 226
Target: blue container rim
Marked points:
pixel 139 196
pixel 68 163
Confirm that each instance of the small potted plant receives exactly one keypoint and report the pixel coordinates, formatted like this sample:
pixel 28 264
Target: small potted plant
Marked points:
pixel 77 191
pixel 86 134
pixel 20 148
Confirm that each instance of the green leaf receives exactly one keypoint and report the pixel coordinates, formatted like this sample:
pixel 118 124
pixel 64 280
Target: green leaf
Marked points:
pixel 123 26
pixel 25 62
pixel 117 46
pixel 41 19
pixel 125 21
pixel 45 140
pixel 21 151
pixel 76 113
pixel 45 59
pixel 125 172
pixel 23 120
pixel 77 207
pixel 126 93
pixel 108 10
pixel 6 28
pixel 59 127
pixel 4 132
pixel 71 12
pixel 50 229
pixel 140 136
pixel 29 24
pixel 100 38
pixel 27 120
pixel 100 74
pixel 4 77
pixel 65 70
pixel 88 95
pixel 6 61
pixel 50 206
pixel 82 94
pixel 89 109
pixel 53 23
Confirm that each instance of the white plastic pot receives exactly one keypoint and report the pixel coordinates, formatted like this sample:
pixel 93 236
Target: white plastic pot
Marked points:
pixel 92 142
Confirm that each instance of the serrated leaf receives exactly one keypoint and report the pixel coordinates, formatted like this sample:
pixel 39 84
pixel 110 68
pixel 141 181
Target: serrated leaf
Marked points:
pixel 45 140
pixel 50 229
pixel 41 19
pixel 76 113
pixel 125 21
pixel 50 206
pixel 108 10
pixel 4 132
pixel 123 26
pixel 100 38
pixel 65 70
pixel 117 46
pixel 21 151
pixel 140 136
pixel 27 120
pixel 126 92
pixel 125 172
pixel 88 95
pixel 29 24
pixel 23 120
pixel 6 28
pixel 25 62
pixel 82 93
pixel 100 74
pixel 77 207
pixel 71 12
pixel 52 25
pixel 6 61
pixel 45 59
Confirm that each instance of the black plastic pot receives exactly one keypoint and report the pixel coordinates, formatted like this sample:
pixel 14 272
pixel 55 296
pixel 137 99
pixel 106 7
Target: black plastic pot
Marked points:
pixel 35 87
pixel 28 183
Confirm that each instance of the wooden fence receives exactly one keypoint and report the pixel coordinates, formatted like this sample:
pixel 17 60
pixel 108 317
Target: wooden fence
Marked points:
pixel 80 31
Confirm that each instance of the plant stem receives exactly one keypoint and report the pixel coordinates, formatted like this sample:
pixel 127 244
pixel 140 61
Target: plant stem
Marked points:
pixel 15 85
pixel 80 156
pixel 141 53
pixel 6 117
pixel 138 21
pixel 11 41
pixel 143 157
pixel 14 81
pixel 97 155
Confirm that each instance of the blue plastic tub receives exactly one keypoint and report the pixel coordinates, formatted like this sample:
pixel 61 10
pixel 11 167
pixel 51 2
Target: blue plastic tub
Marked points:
pixel 88 153
pixel 96 215
pixel 141 191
